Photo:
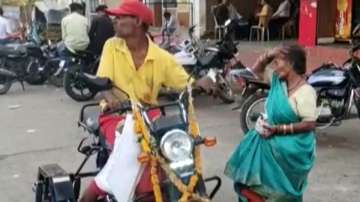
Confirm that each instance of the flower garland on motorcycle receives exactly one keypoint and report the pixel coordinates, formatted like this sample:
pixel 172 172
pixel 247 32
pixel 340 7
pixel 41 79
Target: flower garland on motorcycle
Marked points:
pixel 149 154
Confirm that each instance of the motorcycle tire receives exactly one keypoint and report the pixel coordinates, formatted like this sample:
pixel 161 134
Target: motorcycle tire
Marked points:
pixel 5 84
pixel 224 91
pixel 57 81
pixel 34 77
pixel 246 108
pixel 75 88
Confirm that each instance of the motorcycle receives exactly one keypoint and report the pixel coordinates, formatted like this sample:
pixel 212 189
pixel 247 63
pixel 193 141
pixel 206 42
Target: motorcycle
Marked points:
pixel 212 60
pixel 19 62
pixel 336 88
pixel 170 139
pixel 80 63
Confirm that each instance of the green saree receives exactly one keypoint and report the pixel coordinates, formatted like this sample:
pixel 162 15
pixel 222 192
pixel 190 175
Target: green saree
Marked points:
pixel 277 167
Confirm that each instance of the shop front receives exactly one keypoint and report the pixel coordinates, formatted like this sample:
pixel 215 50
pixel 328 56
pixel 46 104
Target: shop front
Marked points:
pixel 324 21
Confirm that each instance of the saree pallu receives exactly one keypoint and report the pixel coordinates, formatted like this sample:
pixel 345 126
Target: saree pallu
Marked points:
pixel 276 168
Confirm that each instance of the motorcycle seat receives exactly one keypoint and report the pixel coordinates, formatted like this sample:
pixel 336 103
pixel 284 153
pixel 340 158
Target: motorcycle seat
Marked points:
pixel 95 83
pixel 83 54
pixel 12 51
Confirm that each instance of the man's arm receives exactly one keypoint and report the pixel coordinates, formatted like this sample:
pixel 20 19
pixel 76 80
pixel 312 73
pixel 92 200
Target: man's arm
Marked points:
pixel 63 30
pixel 177 78
pixel 175 75
pixel 106 69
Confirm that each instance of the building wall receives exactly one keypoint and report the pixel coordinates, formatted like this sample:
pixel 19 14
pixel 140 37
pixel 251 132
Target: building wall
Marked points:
pixel 245 8
pixel 112 3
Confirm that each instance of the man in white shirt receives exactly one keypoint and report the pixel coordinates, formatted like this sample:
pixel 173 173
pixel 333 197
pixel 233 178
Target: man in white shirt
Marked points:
pixel 74 28
pixel 279 18
pixel 169 26
pixel 5 28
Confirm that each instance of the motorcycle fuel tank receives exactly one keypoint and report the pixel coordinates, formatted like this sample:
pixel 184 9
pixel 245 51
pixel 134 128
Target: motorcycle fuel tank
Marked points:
pixel 327 77
pixel 185 58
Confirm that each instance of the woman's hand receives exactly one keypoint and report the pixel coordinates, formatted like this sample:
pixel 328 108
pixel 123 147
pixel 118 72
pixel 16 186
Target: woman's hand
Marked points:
pixel 268 130
pixel 264 128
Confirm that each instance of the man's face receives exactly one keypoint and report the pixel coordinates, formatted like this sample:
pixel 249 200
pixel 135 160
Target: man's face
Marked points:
pixel 125 25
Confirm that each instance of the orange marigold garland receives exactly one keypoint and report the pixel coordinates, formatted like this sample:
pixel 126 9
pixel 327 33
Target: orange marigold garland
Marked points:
pixel 144 140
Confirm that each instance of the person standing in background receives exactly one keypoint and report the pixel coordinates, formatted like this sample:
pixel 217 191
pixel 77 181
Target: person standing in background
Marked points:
pixel 280 17
pixel 74 30
pixel 101 29
pixel 6 33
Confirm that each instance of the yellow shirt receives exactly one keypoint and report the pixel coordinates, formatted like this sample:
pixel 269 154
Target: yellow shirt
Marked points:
pixel 159 69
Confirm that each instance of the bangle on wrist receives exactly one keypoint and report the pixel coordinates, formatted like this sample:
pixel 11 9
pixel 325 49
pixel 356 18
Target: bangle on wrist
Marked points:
pixel 284 129
pixel 292 128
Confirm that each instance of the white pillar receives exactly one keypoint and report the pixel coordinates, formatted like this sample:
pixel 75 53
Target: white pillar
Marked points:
pixel 199 14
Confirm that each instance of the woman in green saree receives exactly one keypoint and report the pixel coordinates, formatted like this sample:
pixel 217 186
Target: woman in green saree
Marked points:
pixel 272 162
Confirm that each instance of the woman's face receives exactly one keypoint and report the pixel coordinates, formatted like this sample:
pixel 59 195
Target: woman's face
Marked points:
pixel 281 66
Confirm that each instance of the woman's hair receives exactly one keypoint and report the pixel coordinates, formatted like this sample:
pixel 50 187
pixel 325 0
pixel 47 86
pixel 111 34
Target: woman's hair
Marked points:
pixel 1 11
pixel 296 55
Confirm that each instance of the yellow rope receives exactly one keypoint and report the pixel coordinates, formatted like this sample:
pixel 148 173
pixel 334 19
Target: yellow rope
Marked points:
pixel 141 131
pixel 155 180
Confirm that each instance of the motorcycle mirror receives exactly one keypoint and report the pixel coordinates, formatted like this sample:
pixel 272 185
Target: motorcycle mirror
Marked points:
pixel 191 31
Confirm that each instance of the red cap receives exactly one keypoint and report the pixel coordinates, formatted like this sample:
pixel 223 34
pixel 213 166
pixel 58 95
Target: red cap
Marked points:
pixel 133 8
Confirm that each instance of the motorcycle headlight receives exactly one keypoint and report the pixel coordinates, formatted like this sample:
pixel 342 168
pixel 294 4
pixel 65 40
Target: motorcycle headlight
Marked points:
pixel 176 145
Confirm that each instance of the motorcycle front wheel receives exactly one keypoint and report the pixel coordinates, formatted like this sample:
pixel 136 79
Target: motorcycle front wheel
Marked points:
pixel 5 84
pixel 251 109
pixel 75 87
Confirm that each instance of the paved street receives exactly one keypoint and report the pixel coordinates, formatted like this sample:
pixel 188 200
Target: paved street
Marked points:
pixel 38 126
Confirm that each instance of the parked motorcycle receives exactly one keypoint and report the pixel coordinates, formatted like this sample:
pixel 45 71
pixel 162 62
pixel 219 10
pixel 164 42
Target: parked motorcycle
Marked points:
pixel 50 65
pixel 212 60
pixel 337 92
pixel 19 62
pixel 79 64
pixel 174 147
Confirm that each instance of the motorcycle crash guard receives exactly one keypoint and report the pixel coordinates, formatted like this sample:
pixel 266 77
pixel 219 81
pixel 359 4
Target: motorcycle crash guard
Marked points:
pixel 7 73
pixel 59 182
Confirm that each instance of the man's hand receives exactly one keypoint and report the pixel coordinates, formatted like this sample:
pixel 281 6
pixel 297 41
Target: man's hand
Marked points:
pixel 112 102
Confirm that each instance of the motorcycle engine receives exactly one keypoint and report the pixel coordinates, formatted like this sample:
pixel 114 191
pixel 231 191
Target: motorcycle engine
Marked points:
pixel 331 107
pixel 332 100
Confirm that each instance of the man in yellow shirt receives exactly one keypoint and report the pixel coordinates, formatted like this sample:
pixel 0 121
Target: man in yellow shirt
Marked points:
pixel 137 66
